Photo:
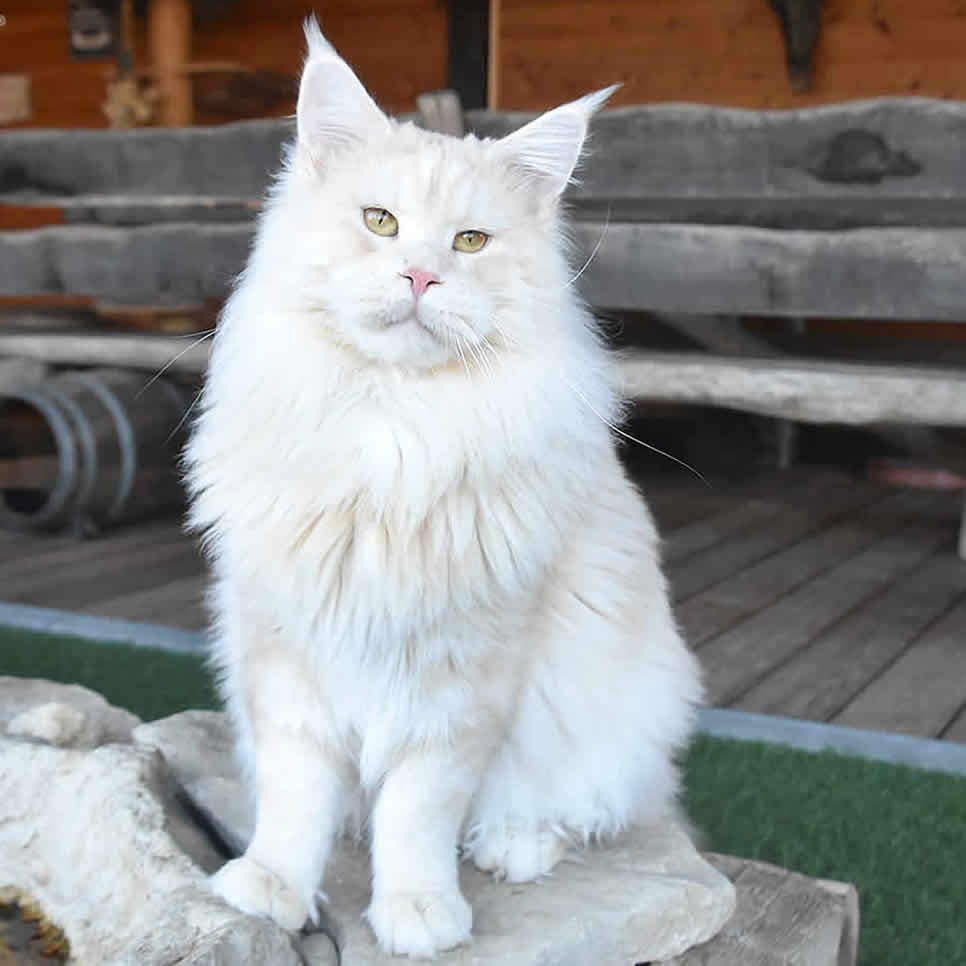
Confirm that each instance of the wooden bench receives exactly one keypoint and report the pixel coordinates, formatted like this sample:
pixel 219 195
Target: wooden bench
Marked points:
pixel 699 215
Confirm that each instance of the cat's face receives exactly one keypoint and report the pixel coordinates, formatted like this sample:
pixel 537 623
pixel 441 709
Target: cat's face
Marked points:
pixel 412 247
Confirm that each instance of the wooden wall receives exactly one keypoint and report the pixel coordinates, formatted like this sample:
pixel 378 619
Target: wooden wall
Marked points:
pixel 726 52
pixel 397 46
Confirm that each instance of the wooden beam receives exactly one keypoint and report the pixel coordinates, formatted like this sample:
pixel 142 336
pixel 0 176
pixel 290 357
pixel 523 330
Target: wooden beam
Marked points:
pixel 865 273
pixel 148 353
pixel 493 58
pixel 184 262
pixel 802 390
pixel 658 163
pixel 869 273
pixel 170 31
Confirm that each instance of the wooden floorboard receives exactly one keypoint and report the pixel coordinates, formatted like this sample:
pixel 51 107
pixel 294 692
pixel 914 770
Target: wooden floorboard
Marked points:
pixel 957 727
pixel 178 603
pixel 738 659
pixel 808 593
pixel 731 600
pixel 922 692
pixel 818 506
pixel 73 585
pixel 826 675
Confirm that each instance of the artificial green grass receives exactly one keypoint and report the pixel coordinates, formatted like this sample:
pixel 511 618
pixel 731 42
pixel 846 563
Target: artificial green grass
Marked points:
pixel 151 683
pixel 898 833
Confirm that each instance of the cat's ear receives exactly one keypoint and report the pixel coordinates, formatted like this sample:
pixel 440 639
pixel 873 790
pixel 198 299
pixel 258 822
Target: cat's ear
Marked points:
pixel 547 149
pixel 334 109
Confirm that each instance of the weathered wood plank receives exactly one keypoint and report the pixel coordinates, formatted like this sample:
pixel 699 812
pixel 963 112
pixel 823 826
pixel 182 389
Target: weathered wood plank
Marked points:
pixel 118 574
pixel 689 540
pixel 881 273
pixel 725 604
pixel 922 692
pixel 739 658
pixel 865 273
pixel 814 509
pixel 658 163
pixel 230 159
pixel 178 603
pixel 146 352
pixel 188 261
pixel 819 681
pixel 30 558
pixel 956 731
pixel 808 391
pixel 803 390
pixel 741 510
pixel 679 507
pixel 694 163
pixel 781 917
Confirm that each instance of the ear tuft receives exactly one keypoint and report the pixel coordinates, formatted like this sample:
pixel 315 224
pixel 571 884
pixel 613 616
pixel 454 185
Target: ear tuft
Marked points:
pixel 315 42
pixel 548 148
pixel 334 109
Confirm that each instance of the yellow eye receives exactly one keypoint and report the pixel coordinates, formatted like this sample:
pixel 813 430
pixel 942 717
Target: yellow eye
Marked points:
pixel 380 221
pixel 470 241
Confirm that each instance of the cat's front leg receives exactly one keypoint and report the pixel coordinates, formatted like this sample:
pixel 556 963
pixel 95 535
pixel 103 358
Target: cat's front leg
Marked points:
pixel 417 908
pixel 299 793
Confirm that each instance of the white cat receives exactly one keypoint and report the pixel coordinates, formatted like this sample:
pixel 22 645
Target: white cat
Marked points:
pixel 440 615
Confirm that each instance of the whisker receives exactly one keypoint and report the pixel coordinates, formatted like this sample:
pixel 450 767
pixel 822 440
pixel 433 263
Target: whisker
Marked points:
pixel 462 355
pixel 171 362
pixel 184 418
pixel 593 254
pixel 612 426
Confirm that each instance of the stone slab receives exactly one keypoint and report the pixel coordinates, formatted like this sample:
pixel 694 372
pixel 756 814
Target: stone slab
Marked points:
pixel 650 897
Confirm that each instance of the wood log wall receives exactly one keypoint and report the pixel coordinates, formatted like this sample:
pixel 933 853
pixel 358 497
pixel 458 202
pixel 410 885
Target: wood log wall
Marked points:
pixel 726 52
pixel 398 46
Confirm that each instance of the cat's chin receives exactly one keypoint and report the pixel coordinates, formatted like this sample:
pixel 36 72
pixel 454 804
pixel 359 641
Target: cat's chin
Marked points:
pixel 409 342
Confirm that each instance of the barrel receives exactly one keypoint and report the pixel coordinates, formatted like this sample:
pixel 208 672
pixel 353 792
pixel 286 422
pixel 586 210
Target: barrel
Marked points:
pixel 90 449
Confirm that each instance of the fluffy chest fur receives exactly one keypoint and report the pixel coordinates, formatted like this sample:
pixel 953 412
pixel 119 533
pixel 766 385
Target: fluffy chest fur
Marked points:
pixel 368 511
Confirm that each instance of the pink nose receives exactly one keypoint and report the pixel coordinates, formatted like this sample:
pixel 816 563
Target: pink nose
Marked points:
pixel 420 280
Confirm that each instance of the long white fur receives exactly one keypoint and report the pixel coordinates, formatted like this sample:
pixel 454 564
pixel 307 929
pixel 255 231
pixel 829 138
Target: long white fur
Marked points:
pixel 439 610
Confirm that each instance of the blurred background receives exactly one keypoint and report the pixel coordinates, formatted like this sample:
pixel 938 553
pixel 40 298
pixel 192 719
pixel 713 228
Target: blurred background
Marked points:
pixel 773 221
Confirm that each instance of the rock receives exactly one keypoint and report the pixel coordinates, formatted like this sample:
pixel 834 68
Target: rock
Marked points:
pixel 648 898
pixel 99 840
pixel 199 748
pixel 61 714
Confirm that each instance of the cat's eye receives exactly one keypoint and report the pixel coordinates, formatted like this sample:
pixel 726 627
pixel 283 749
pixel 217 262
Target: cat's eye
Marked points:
pixel 470 241
pixel 380 221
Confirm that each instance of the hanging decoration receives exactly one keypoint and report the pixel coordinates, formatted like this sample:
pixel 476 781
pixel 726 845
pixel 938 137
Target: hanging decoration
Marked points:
pixel 92 28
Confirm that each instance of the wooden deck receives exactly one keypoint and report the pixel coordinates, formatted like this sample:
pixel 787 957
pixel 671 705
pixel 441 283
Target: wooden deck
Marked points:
pixel 808 594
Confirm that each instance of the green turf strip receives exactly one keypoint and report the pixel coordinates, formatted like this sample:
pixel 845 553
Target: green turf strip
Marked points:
pixel 899 834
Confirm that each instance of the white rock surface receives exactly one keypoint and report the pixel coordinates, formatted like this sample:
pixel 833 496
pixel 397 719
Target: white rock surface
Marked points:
pixel 100 839
pixel 97 831
pixel 61 714
pixel 646 899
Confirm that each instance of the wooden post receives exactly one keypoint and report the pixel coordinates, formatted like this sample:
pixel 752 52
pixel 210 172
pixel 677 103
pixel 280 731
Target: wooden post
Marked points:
pixel 493 59
pixel 170 29
pixel 962 530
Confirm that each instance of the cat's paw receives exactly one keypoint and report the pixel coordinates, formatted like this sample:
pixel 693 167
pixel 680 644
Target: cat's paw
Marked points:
pixel 420 924
pixel 255 890
pixel 518 855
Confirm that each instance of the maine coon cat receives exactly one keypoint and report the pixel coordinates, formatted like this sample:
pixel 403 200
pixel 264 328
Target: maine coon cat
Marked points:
pixel 440 614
